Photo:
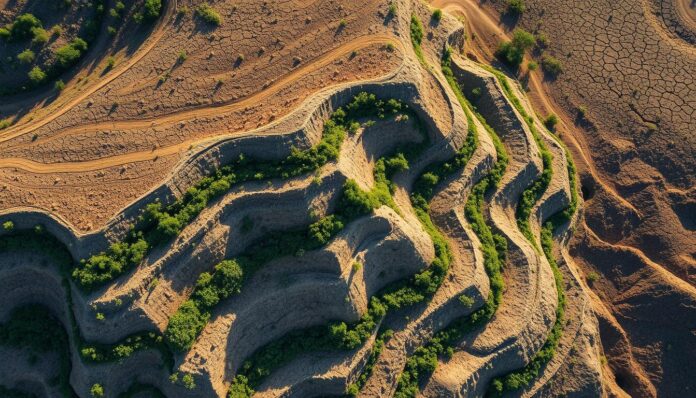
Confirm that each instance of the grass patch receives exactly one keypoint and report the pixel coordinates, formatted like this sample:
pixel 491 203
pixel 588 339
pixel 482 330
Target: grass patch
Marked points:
pixel 417 38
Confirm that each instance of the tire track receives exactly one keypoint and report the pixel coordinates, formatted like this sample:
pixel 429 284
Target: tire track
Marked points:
pixel 172 119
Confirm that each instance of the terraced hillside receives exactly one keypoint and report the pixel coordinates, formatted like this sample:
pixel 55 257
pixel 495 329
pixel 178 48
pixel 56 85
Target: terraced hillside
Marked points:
pixel 297 198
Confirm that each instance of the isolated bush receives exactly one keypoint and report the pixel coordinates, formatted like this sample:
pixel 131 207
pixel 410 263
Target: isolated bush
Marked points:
pixel 516 7
pixel 582 111
pixel 512 52
pixel 551 65
pixel 437 14
pixel 542 40
pixel 59 85
pixel 37 75
pixel 592 277
pixel 8 226
pixel 40 36
pixel 208 14
pixel 97 391
pixel 551 121
pixel 26 57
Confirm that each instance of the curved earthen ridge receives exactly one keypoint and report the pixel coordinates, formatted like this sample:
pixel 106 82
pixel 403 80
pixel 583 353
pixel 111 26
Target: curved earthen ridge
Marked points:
pixel 267 108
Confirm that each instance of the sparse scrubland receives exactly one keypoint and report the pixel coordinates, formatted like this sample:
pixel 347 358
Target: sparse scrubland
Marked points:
pixel 300 212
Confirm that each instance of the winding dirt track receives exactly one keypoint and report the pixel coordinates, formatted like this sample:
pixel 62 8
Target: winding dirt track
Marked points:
pixel 52 113
pixel 174 118
pixel 483 23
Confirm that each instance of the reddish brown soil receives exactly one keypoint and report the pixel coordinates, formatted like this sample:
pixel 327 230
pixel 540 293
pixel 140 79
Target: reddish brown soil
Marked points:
pixel 166 106
pixel 634 72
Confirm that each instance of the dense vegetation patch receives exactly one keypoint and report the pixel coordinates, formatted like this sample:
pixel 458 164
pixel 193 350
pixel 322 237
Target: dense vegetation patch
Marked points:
pixel 42 59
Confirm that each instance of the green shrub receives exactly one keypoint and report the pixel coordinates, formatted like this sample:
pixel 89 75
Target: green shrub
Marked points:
pixel 437 14
pixel 188 381
pixel 22 27
pixel 68 54
pixel 512 52
pixel 551 65
pixel 26 57
pixel 40 36
pixel 516 7
pixel 8 226
pixel 152 9
pixel 97 390
pixel 551 122
pixel 79 44
pixel 185 325
pixel 36 75
pixel 208 14
pixel 582 111
pixel 592 277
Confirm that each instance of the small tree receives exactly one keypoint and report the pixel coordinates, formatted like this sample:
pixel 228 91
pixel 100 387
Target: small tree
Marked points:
pixel 551 65
pixel 22 26
pixel 512 52
pixel 97 390
pixel 208 14
pixel 516 7
pixel 437 14
pixel 26 57
pixel 152 9
pixel 551 122
pixel 36 75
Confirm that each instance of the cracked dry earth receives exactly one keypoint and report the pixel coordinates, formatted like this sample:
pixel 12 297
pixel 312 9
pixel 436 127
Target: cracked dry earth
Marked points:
pixel 363 205
pixel 631 64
